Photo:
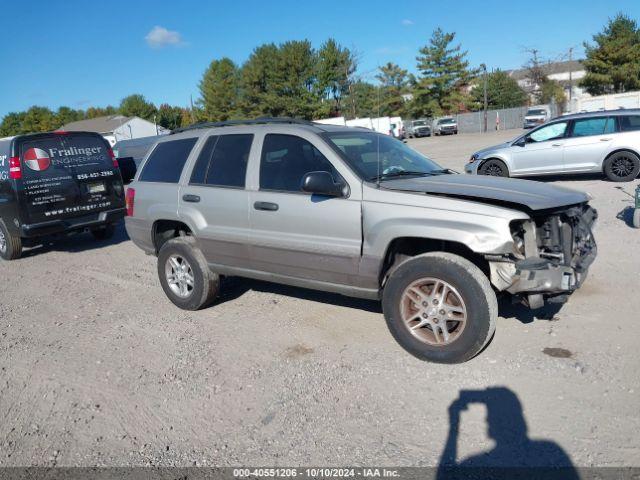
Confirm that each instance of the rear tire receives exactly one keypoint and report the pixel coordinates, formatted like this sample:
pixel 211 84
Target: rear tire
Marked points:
pixel 181 263
pixel 622 166
pixel 494 168
pixel 10 244
pixel 103 233
pixel 468 295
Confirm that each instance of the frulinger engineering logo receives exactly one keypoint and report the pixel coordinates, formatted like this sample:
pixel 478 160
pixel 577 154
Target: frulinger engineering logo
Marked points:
pixel 37 159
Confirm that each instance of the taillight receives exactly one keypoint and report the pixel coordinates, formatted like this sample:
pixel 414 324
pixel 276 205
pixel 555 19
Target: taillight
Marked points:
pixel 129 201
pixel 113 158
pixel 15 170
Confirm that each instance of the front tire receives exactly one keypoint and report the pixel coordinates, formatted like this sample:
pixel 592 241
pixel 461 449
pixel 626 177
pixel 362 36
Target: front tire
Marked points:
pixel 185 275
pixel 440 307
pixel 10 244
pixel 494 168
pixel 622 166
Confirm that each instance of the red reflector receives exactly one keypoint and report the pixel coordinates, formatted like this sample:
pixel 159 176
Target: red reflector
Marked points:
pixel 130 200
pixel 113 158
pixel 61 132
pixel 15 170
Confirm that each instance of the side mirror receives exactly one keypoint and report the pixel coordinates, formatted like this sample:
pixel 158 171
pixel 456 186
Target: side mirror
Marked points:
pixel 322 183
pixel 521 142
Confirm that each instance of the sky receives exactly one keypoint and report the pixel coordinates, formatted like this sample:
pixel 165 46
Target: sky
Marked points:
pixel 93 53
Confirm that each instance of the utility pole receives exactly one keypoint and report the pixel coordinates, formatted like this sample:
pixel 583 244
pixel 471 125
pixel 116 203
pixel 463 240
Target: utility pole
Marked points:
pixel 484 69
pixel 570 76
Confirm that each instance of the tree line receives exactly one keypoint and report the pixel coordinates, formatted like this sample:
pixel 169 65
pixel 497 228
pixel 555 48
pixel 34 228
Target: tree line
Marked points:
pixel 297 80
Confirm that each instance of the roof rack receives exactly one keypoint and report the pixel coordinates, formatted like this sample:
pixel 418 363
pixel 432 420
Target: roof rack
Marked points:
pixel 256 121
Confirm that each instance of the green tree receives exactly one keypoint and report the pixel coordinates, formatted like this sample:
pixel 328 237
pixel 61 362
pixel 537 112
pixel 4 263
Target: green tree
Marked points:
pixel 258 82
pixel 362 100
pixel 38 119
pixel 336 66
pixel 12 124
pixel 66 115
pixel 219 90
pixel 169 117
pixel 393 81
pixel 137 106
pixel 613 62
pixel 552 92
pixel 502 91
pixel 444 71
pixel 94 112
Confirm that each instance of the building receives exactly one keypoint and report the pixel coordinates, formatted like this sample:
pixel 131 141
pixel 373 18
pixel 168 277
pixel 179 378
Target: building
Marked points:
pixel 116 127
pixel 568 74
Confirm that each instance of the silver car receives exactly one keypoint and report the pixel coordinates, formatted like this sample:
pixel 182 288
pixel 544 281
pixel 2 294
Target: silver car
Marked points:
pixel 599 142
pixel 355 212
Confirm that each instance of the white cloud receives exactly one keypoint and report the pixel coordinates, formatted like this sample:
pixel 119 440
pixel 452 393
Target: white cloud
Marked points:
pixel 407 23
pixel 160 37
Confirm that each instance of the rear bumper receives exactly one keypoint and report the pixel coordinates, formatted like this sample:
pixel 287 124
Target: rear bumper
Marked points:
pixel 71 224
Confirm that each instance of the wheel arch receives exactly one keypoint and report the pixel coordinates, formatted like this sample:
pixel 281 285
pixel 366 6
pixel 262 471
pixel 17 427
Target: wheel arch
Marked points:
pixel 404 248
pixel 164 230
pixel 619 150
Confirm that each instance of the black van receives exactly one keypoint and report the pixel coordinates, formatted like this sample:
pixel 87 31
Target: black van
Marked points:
pixel 57 182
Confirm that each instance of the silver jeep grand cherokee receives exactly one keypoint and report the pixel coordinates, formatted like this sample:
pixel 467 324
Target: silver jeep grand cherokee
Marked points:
pixel 351 211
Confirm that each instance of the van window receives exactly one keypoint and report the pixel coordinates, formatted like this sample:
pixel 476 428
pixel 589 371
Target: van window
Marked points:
pixel 62 155
pixel 593 126
pixel 630 123
pixel 167 160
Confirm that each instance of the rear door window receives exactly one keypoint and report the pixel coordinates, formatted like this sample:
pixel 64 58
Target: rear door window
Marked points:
pixel 630 123
pixel 223 161
pixel 593 126
pixel 167 160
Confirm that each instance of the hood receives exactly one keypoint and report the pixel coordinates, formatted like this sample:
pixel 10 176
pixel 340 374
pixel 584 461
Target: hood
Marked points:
pixel 493 148
pixel 494 190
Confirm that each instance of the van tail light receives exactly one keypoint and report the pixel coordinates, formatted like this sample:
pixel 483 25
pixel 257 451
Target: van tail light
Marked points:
pixel 15 170
pixel 113 158
pixel 130 200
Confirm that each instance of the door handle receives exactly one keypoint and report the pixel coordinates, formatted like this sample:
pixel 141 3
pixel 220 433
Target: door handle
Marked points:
pixel 191 198
pixel 267 206
pixel 605 139
pixel 556 144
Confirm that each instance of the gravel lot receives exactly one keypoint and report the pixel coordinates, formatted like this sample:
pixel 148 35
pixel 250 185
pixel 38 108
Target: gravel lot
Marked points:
pixel 99 368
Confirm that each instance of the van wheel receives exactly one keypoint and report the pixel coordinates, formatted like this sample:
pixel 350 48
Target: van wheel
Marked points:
pixel 103 233
pixel 440 307
pixel 10 244
pixel 185 276
pixel 494 168
pixel 622 166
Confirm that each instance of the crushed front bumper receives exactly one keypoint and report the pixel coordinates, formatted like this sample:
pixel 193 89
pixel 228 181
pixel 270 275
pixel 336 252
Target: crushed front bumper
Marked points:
pixel 558 251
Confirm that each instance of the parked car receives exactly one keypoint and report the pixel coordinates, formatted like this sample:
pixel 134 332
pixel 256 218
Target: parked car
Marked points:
pixel 536 116
pixel 359 213
pixel 598 142
pixel 446 126
pixel 130 153
pixel 418 128
pixel 60 182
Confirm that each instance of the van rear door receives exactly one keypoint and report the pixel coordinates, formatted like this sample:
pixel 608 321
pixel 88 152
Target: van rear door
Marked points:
pixel 67 175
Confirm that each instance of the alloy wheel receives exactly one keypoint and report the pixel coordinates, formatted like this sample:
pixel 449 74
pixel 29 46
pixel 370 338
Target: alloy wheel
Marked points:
pixel 433 311
pixel 179 275
pixel 622 166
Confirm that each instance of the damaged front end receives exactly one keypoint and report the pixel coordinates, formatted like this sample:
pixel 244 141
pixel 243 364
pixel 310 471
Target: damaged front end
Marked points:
pixel 551 255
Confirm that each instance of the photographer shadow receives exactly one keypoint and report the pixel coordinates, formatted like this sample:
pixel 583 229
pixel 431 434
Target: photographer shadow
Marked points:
pixel 514 455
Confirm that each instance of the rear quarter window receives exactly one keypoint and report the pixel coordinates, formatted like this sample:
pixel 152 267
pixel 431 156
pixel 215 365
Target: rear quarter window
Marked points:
pixel 167 160
pixel 630 123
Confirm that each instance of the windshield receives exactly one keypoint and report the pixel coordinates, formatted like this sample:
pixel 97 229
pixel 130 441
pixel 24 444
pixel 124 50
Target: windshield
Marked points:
pixel 446 120
pixel 536 112
pixel 419 123
pixel 361 150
